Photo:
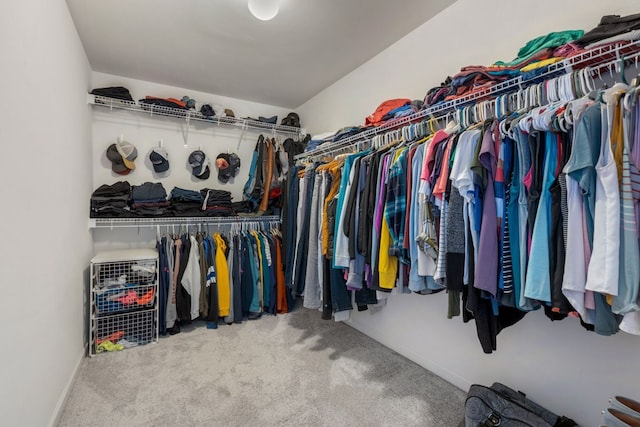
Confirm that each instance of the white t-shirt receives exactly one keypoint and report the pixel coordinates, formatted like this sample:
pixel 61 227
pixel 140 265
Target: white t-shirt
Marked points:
pixel 602 275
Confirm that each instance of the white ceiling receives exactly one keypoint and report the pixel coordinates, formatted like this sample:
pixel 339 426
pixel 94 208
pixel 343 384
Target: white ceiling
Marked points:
pixel 217 46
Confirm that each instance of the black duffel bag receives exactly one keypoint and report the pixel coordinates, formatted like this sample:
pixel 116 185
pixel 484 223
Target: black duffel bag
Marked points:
pixel 500 405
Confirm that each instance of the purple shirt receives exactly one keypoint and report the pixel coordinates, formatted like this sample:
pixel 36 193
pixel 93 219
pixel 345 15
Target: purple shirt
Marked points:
pixel 486 269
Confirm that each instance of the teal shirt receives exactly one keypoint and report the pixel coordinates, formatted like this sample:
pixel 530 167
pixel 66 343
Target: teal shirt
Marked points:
pixel 551 40
pixel 584 156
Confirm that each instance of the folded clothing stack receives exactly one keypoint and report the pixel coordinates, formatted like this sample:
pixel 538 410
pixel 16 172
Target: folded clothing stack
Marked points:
pixel 476 78
pixel 610 26
pixel 163 102
pixel 186 202
pixel 216 202
pixel 316 140
pixel 113 92
pixel 111 200
pixel 149 199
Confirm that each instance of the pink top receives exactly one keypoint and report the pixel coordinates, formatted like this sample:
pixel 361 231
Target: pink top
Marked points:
pixel 441 184
pixel 430 156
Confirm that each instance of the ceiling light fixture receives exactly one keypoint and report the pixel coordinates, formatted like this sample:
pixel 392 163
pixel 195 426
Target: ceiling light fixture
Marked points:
pixel 264 10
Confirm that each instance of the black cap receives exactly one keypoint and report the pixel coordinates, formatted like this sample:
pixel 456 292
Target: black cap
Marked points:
pixel 160 160
pixel 199 161
pixel 292 120
pixel 228 166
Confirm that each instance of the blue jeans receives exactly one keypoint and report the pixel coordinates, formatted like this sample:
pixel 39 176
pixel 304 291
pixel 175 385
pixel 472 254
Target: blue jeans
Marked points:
pixel 340 295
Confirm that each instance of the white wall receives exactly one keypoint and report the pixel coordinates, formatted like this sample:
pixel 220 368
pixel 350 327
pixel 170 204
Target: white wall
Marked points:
pixel 145 132
pixel 45 170
pixel 558 364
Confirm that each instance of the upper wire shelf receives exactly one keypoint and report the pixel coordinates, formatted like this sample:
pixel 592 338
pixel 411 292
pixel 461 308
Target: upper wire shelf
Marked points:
pixel 189 115
pixel 172 221
pixel 606 54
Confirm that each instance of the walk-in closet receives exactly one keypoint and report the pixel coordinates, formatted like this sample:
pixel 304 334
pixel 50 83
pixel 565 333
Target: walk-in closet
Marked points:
pixel 345 213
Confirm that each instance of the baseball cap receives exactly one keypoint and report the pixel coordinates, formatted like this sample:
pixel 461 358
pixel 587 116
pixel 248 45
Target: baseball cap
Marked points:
pixel 128 152
pixel 207 110
pixel 160 159
pixel 117 163
pixel 199 161
pixel 292 119
pixel 228 166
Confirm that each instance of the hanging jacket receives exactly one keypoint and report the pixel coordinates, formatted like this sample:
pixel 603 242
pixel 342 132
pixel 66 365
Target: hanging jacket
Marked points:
pixel 183 299
pixel 191 279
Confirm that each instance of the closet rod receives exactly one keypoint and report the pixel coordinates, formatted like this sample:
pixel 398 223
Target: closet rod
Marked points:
pixel 593 58
pixel 153 222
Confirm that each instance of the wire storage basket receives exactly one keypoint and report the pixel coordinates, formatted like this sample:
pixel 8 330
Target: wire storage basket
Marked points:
pixel 124 300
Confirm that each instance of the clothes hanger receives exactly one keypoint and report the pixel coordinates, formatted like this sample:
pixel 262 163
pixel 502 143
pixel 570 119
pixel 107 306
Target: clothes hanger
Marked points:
pixel 503 127
pixel 462 117
pixel 475 112
pixel 491 109
pixel 539 93
pixel 431 127
pixel 621 69
pixel 596 94
pixel 482 111
pixel 452 126
pixel 636 80
pixel 582 82
pixel 575 82
pixel 518 99
pixel 459 118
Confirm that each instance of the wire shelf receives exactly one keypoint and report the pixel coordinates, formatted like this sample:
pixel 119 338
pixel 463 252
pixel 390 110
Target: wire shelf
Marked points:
pixel 122 331
pixel 596 58
pixel 189 115
pixel 124 299
pixel 153 222
pixel 120 274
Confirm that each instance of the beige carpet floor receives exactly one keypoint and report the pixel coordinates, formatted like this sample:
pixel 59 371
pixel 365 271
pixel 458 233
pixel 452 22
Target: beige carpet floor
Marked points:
pixel 289 370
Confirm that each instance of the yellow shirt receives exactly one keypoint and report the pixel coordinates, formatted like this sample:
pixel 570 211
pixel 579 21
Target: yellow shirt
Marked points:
pixel 222 277
pixel 540 64
pixel 336 171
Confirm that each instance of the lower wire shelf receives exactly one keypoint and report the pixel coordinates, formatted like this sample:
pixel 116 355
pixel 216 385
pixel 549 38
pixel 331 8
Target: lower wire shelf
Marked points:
pixel 125 330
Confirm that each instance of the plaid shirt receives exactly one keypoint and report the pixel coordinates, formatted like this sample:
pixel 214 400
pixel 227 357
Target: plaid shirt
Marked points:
pixel 395 207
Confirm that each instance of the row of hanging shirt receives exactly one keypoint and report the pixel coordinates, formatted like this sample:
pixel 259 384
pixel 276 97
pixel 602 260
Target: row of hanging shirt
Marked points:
pixel 488 211
pixel 223 277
